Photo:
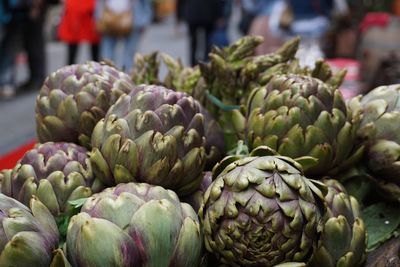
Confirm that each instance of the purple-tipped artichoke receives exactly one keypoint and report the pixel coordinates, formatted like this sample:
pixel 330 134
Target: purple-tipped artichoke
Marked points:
pixel 343 241
pixel 261 211
pixel 302 116
pixel 182 79
pixel 54 172
pixel 134 225
pixel 152 135
pixel 74 98
pixel 380 133
pixel 27 236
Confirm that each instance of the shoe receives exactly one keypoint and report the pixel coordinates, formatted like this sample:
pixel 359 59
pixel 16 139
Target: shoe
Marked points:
pixel 7 92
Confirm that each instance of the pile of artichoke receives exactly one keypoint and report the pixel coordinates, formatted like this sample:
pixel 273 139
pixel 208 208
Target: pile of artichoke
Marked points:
pixel 239 161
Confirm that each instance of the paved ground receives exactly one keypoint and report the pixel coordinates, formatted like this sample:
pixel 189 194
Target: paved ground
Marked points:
pixel 17 124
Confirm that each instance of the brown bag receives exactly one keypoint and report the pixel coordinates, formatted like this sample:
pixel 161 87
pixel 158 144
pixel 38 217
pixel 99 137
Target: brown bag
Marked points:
pixel 287 17
pixel 115 24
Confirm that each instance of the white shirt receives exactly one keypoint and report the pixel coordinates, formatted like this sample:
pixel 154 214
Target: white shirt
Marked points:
pixel 119 6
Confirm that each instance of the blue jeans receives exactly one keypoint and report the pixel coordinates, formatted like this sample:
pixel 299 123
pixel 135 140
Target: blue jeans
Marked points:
pixel 9 45
pixel 109 49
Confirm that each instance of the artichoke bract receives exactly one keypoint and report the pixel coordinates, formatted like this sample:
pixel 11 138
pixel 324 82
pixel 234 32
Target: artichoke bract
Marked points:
pixel 134 224
pixel 380 133
pixel 343 241
pixel 55 173
pixel 28 236
pixel 261 211
pixel 152 135
pixel 302 116
pixel 74 98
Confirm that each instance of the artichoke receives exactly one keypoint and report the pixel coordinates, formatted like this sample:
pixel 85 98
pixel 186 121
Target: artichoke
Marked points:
pixel 74 98
pixel 302 116
pixel 380 133
pixel 343 241
pixel 54 172
pixel 27 237
pixel 261 211
pixel 134 225
pixel 181 79
pixel 152 135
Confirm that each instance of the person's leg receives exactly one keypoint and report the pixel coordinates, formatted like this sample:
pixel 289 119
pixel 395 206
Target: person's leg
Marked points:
pixel 72 51
pixel 107 48
pixel 193 43
pixel 9 46
pixel 94 49
pixel 34 44
pixel 208 29
pixel 130 47
pixel 7 55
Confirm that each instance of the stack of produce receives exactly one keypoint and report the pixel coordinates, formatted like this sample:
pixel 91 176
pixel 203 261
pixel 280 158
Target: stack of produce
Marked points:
pixel 74 98
pixel 143 171
pixel 226 81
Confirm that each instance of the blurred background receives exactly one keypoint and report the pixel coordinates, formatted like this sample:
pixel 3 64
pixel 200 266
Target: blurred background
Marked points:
pixel 39 36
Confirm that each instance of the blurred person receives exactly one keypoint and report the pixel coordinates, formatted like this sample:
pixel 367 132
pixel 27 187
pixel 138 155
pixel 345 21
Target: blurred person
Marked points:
pixel 23 25
pixel 178 15
pixel 201 17
pixel 34 42
pixel 247 14
pixel 7 89
pixel 219 35
pixel 260 25
pixel 141 13
pixel 311 18
pixel 77 26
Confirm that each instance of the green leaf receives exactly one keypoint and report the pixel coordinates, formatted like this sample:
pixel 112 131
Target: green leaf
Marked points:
pixel 77 203
pixel 62 223
pixel 381 221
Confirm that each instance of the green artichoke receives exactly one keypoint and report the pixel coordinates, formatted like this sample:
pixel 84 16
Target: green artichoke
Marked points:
pixel 343 241
pixel 181 79
pixel 134 225
pixel 152 135
pixel 302 116
pixel 27 237
pixel 54 172
pixel 74 98
pixel 261 211
pixel 380 133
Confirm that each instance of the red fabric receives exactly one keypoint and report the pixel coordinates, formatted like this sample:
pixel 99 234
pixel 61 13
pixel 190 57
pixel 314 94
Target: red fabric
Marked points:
pixel 9 160
pixel 375 19
pixel 78 23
